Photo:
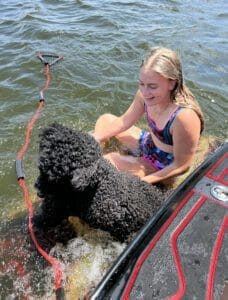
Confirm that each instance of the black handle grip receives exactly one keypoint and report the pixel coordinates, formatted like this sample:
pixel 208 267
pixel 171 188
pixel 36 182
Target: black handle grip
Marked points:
pixel 19 169
pixel 60 294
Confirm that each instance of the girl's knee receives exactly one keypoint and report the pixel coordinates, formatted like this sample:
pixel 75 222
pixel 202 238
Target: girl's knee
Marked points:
pixel 104 120
pixel 107 118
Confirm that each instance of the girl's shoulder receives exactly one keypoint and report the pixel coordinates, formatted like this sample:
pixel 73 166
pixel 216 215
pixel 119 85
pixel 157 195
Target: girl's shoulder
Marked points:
pixel 186 112
pixel 187 118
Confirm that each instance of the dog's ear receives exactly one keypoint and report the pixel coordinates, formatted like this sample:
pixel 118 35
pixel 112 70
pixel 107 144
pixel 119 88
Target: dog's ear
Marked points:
pixel 84 177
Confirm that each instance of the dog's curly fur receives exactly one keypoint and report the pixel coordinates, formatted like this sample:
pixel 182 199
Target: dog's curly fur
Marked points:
pixel 75 180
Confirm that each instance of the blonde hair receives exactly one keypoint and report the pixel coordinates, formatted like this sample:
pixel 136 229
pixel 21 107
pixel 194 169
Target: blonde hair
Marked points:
pixel 167 63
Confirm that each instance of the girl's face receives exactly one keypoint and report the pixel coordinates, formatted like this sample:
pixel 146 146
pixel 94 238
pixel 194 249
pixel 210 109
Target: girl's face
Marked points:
pixel 154 88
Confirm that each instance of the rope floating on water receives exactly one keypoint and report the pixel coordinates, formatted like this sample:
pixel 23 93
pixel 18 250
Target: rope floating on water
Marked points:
pixel 59 291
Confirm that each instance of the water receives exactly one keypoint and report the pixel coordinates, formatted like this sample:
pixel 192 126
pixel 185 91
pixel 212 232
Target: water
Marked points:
pixel 103 43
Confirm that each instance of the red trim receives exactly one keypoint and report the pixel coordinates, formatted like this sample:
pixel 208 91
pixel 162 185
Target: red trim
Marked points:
pixel 182 283
pixel 222 175
pixel 150 246
pixel 214 257
pixel 212 200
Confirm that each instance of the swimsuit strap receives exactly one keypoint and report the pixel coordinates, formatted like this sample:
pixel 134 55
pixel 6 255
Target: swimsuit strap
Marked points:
pixel 164 134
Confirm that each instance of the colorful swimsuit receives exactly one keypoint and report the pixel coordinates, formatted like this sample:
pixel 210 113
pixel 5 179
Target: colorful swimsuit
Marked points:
pixel 156 157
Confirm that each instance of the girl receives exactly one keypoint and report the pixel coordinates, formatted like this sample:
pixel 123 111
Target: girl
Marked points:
pixel 174 117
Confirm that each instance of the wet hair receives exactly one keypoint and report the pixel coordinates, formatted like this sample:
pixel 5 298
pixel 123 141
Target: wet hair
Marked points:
pixel 167 63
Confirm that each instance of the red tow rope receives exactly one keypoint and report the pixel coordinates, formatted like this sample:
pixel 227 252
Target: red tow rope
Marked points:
pixel 21 178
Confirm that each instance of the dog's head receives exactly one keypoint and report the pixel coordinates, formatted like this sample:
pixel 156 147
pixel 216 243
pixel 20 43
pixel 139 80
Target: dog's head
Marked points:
pixel 66 153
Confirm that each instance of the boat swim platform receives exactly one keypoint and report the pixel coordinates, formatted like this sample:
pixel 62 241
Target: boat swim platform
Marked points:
pixel 182 252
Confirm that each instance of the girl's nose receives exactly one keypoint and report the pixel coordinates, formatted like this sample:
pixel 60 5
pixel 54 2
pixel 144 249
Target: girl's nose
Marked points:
pixel 146 91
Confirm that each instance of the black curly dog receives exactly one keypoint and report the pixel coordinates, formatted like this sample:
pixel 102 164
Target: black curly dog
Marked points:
pixel 75 180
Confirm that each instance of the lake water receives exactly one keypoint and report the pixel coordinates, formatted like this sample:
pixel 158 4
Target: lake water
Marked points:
pixel 103 43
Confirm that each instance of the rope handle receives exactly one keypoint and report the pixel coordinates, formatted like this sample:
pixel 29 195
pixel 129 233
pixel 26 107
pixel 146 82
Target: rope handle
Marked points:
pixel 59 290
pixel 42 56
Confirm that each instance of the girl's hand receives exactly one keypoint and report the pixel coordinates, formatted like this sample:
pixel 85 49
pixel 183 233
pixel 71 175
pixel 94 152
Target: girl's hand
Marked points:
pixel 94 136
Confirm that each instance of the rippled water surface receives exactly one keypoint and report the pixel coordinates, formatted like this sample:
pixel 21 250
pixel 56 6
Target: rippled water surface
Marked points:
pixel 103 43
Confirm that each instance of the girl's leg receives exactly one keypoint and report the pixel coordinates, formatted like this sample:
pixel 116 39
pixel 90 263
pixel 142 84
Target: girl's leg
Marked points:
pixel 134 165
pixel 128 138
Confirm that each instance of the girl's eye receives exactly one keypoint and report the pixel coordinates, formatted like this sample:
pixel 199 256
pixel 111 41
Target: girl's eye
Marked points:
pixel 153 87
pixel 150 86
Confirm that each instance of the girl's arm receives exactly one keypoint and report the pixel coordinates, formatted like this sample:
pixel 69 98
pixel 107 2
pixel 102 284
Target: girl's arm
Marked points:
pixel 124 122
pixel 186 134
